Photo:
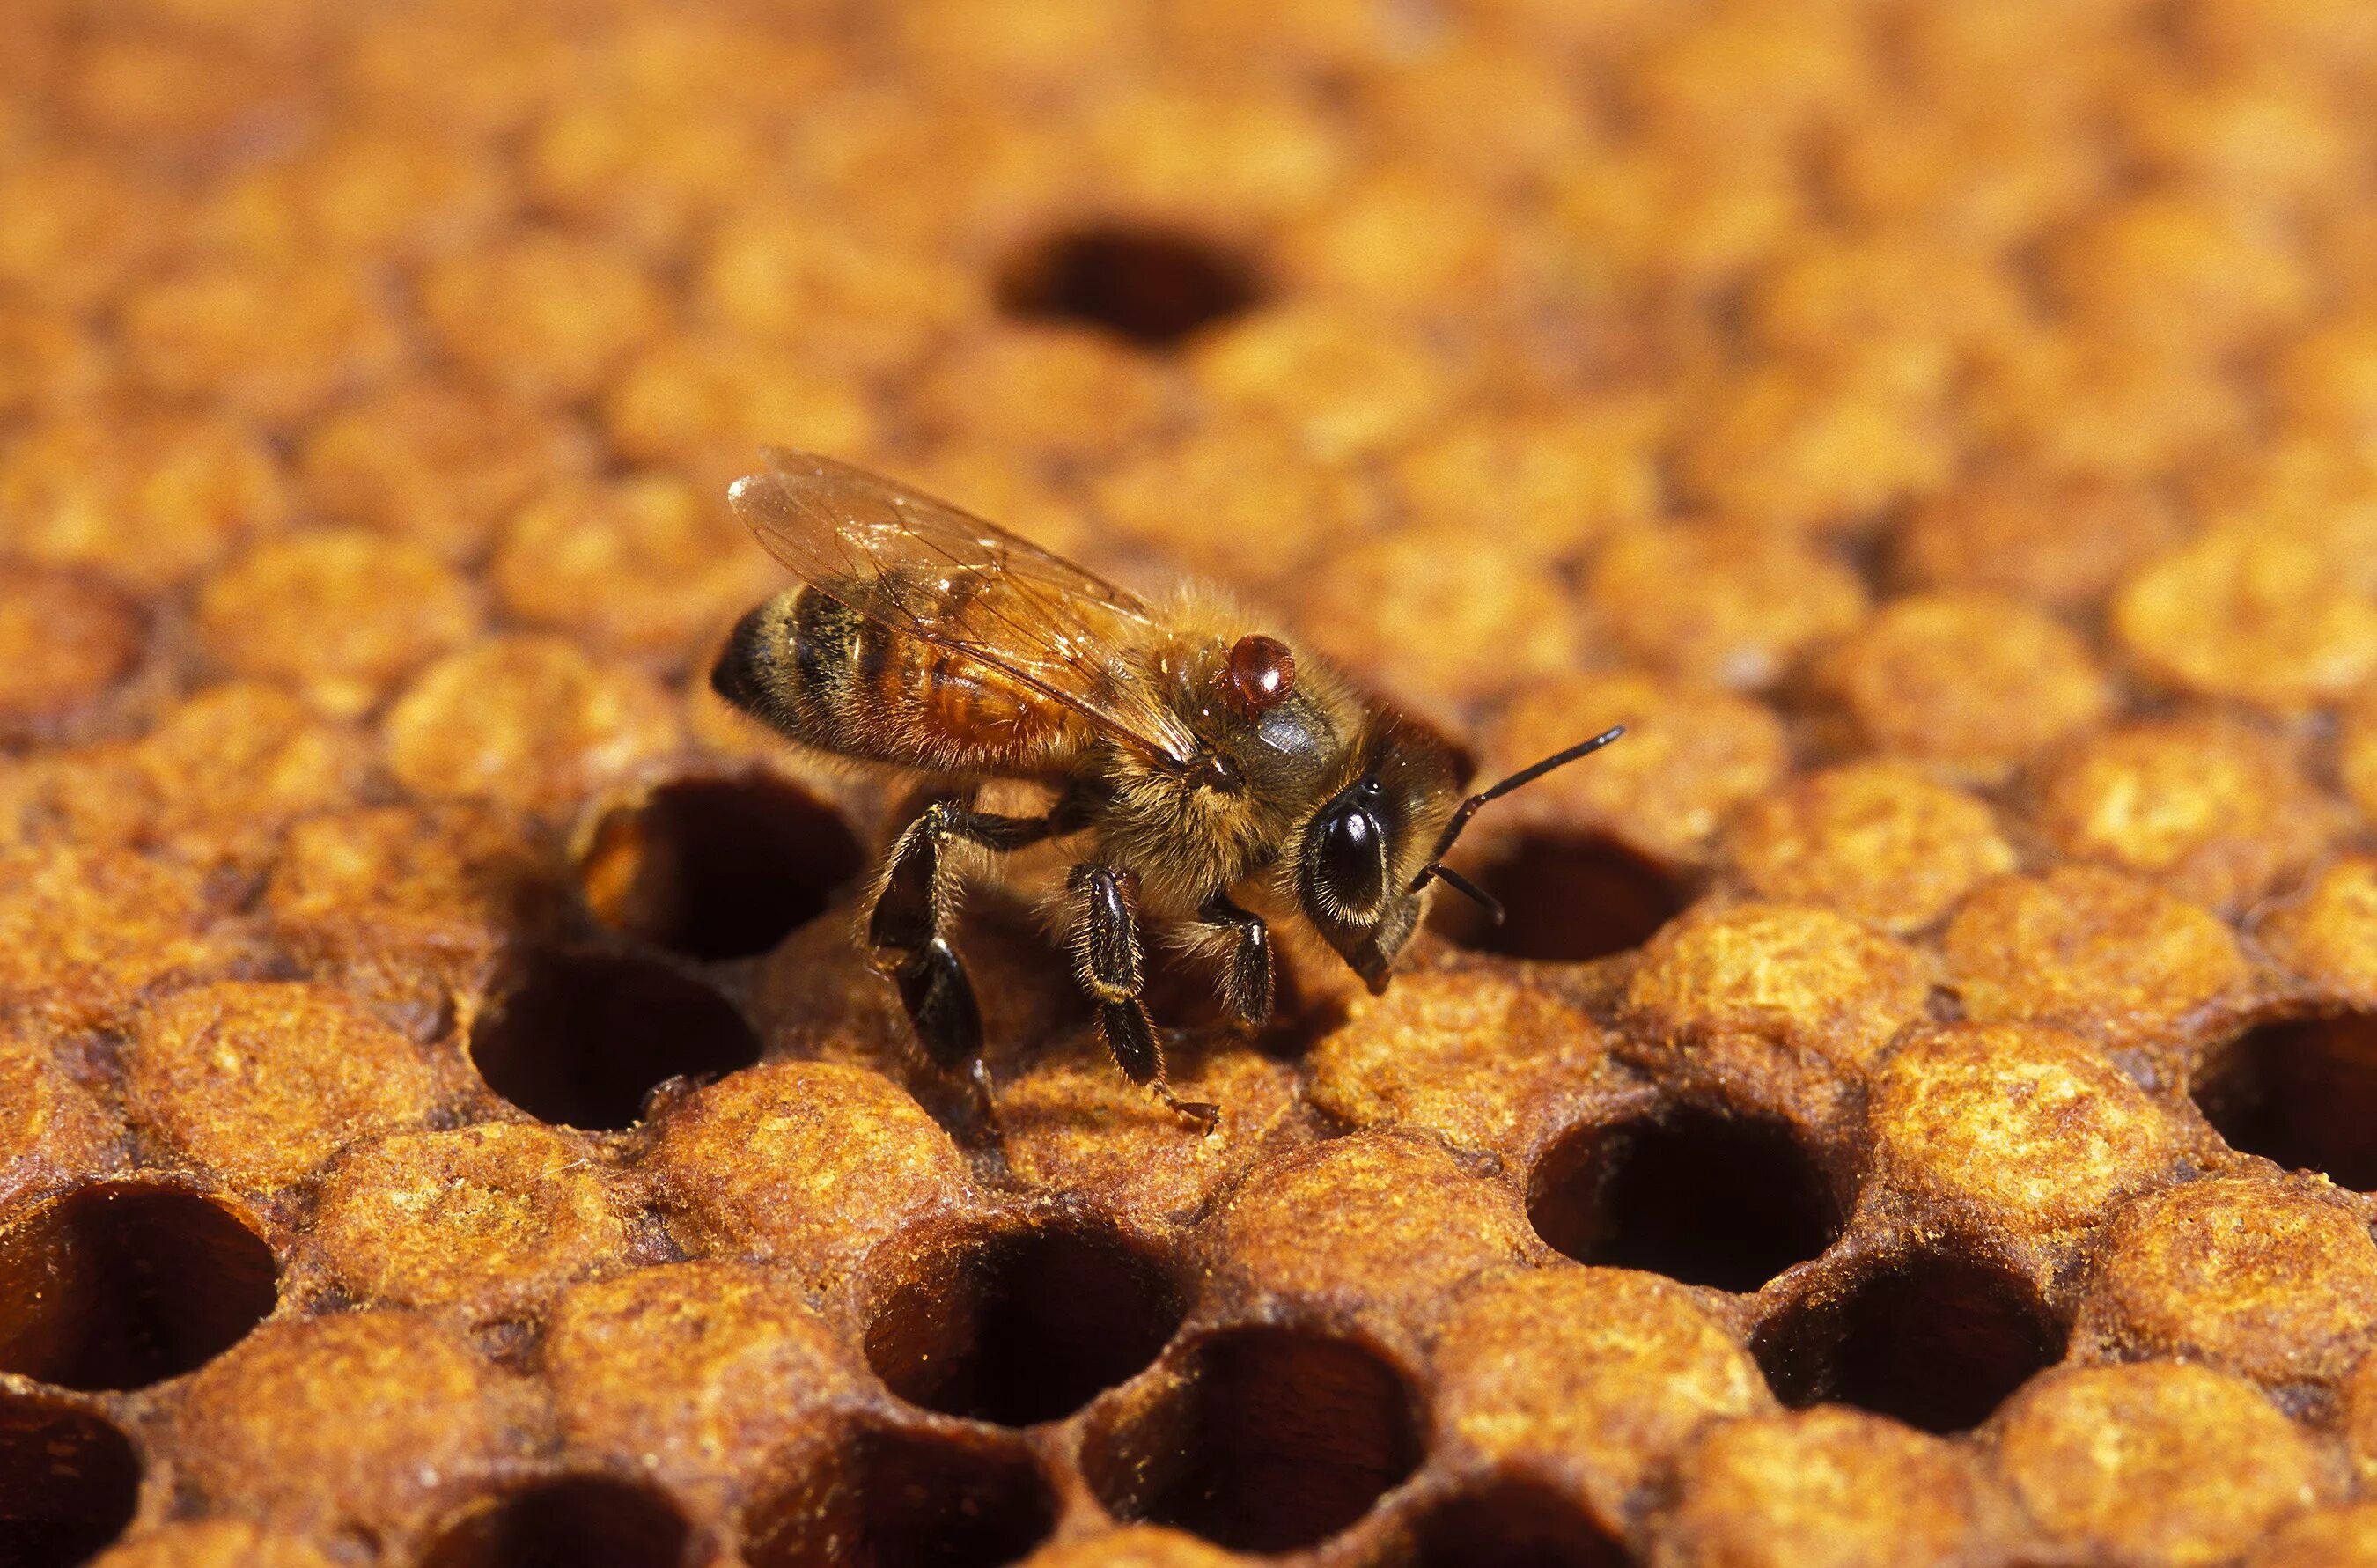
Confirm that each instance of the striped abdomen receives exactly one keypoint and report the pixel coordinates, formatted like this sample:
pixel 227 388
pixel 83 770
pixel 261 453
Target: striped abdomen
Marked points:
pixel 829 678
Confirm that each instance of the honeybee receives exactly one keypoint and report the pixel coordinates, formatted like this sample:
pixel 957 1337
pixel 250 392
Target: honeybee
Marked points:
pixel 1202 765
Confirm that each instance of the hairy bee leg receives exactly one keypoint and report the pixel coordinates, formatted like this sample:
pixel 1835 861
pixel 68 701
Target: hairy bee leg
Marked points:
pixel 1106 956
pixel 905 925
pixel 1247 980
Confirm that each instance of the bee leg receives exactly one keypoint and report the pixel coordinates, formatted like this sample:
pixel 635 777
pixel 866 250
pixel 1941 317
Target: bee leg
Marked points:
pixel 913 907
pixel 1247 981
pixel 1106 957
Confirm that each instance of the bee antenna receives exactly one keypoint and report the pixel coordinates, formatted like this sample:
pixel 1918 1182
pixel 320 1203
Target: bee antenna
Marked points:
pixel 1468 808
pixel 1461 884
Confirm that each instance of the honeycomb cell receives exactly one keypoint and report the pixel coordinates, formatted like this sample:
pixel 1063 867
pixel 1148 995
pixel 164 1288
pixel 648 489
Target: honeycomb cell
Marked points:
pixel 639 166
pixel 1150 286
pixel 1064 394
pixel 145 497
pixel 1554 483
pixel 1513 1523
pixel 1969 684
pixel 544 314
pixel 81 930
pixel 643 566
pixel 488 1218
pixel 48 359
pixel 2056 539
pixel 682 1370
pixel 1935 1339
pixel 1812 450
pixel 1454 1051
pixel 69 1484
pixel 1721 605
pixel 49 1125
pixel 410 904
pixel 1401 1211
pixel 2180 267
pixel 529 721
pixel 560 1523
pixel 1133 1546
pixel 1601 1377
pixel 883 1496
pixel 2248 612
pixel 367 1418
pixel 119 1285
pixel 274 343
pixel 2334 1537
pixel 1344 386
pixel 586 1038
pixel 2157 1462
pixel 2125 408
pixel 1831 1484
pixel 865 1158
pixel 2088 949
pixel 2277 1283
pixel 717 868
pixel 1692 755
pixel 2300 1092
pixel 1263 1438
pixel 1427 623
pixel 1699 1192
pixel 782 277
pixel 1020 1324
pixel 340 614
pixel 215 1543
pixel 2017 1130
pixel 696 401
pixel 65 640
pixel 87 223
pixel 227 768
pixel 1877 840
pixel 263 1081
pixel 2217 812
pixel 1239 502
pixel 1807 977
pixel 438 461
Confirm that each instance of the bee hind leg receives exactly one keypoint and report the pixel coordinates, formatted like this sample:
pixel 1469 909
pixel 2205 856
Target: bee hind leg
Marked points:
pixel 1107 956
pixel 913 909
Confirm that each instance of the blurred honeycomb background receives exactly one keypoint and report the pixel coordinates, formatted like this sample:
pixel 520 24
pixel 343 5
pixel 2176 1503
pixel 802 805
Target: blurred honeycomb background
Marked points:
pixel 1921 1110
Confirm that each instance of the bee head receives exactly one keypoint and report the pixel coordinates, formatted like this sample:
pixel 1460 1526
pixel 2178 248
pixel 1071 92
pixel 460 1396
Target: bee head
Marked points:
pixel 1368 856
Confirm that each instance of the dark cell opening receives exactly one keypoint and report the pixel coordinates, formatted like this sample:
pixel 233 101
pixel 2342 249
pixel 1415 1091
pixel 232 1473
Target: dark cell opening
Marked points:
pixel 1152 287
pixel 582 1038
pixel 1570 898
pixel 571 1522
pixel 1274 1440
pixel 1691 1191
pixel 122 1284
pixel 1025 1325
pixel 1513 1523
pixel 2303 1093
pixel 886 1497
pixel 69 1483
pixel 718 869
pixel 1935 1341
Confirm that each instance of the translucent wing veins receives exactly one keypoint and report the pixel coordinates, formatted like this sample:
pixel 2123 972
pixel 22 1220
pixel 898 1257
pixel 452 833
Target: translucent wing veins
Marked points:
pixel 928 570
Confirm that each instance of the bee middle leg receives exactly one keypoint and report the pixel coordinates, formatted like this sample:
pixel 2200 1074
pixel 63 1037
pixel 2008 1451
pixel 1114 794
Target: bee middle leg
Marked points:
pixel 1107 956
pixel 912 912
pixel 1247 982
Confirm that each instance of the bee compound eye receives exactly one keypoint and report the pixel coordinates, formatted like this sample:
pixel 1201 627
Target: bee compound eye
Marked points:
pixel 1261 670
pixel 1351 857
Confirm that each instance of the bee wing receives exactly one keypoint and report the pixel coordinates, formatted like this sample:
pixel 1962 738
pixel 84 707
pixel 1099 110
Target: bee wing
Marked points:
pixel 926 569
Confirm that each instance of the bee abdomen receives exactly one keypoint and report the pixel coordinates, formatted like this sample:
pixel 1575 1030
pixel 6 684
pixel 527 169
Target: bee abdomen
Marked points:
pixel 827 677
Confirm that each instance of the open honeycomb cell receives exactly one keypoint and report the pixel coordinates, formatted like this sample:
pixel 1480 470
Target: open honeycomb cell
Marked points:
pixel 1920 1108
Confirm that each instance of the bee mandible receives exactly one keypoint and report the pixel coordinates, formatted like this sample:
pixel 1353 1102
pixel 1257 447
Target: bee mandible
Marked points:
pixel 1215 777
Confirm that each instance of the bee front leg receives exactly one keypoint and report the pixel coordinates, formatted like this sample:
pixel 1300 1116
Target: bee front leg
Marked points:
pixel 912 908
pixel 1107 956
pixel 1247 984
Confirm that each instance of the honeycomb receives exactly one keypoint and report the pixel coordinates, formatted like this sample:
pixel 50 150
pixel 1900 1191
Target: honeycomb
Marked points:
pixel 1921 1109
